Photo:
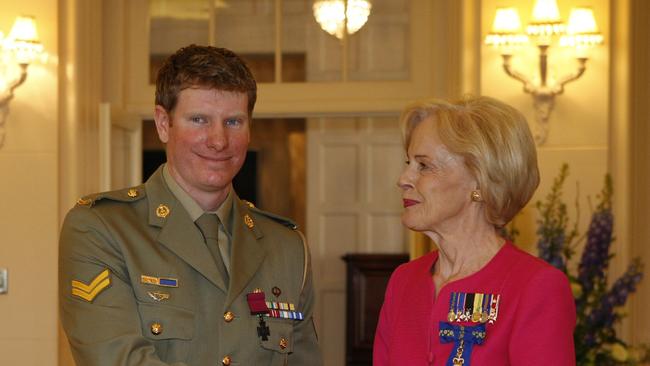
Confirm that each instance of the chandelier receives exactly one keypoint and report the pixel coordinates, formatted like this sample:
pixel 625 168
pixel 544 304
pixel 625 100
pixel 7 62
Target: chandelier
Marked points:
pixel 334 16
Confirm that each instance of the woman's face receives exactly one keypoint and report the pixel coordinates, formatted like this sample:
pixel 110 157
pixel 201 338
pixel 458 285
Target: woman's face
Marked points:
pixel 436 184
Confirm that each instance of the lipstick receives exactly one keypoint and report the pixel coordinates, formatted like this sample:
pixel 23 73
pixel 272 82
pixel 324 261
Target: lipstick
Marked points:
pixel 408 202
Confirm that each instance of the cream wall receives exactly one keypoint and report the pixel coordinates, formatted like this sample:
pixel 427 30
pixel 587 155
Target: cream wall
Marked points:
pixel 598 126
pixel 29 202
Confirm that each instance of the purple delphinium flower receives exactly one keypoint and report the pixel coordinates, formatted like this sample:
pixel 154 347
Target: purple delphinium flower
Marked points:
pixel 550 246
pixel 595 257
pixel 604 314
pixel 626 284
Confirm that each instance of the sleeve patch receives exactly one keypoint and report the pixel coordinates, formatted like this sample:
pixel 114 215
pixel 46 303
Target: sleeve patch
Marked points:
pixel 96 286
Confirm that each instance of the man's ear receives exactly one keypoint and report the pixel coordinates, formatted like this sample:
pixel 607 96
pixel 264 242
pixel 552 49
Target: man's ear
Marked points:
pixel 163 123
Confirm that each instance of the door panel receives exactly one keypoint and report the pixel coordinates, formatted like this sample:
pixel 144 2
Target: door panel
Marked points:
pixel 120 149
pixel 353 206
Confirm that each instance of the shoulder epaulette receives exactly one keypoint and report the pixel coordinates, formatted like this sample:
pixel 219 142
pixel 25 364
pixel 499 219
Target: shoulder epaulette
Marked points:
pixel 121 195
pixel 280 219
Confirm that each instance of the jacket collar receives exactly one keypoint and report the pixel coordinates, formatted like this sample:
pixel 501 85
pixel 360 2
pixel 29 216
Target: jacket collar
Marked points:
pixel 179 234
pixel 248 253
pixel 177 230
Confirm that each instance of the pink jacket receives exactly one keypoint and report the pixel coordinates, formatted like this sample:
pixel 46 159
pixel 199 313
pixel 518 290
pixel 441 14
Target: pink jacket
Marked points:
pixel 534 325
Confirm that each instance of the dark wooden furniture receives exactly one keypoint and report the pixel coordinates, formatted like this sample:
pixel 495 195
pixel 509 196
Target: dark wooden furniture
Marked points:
pixel 367 277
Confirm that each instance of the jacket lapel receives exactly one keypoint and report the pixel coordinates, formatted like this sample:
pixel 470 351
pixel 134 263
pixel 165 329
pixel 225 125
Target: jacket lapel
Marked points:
pixel 177 231
pixel 247 252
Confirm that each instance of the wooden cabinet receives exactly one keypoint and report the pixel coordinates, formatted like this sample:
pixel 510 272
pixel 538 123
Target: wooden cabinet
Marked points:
pixel 367 278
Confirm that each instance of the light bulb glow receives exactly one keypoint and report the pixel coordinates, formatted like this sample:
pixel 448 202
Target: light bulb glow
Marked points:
pixel 331 15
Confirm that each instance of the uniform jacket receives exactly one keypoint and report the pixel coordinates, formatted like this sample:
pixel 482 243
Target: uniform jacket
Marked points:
pixel 164 302
pixel 533 327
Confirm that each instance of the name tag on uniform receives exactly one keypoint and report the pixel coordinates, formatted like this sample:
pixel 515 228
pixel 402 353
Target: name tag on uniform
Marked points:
pixel 159 281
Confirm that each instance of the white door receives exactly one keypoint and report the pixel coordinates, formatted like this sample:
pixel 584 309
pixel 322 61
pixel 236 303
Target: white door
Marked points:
pixel 353 205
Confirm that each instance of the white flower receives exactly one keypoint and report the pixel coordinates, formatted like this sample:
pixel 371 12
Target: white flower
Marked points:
pixel 619 352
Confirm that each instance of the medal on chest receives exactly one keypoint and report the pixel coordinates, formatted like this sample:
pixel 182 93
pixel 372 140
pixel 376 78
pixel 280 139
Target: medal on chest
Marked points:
pixel 467 307
pixel 473 307
pixel 258 307
pixel 282 310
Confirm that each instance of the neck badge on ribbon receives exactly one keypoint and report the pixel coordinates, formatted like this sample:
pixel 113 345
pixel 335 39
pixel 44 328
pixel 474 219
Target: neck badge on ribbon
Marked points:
pixel 464 339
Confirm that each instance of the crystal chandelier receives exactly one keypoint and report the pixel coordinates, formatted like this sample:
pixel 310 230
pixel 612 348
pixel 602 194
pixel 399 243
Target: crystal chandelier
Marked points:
pixel 332 15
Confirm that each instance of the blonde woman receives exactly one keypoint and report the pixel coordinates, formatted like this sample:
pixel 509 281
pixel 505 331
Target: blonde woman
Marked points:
pixel 478 300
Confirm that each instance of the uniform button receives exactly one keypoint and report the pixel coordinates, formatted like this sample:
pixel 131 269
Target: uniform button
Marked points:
pixel 283 343
pixel 156 328
pixel 228 316
pixel 226 361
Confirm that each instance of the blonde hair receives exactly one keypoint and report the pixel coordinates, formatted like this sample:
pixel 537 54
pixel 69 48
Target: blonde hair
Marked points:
pixel 495 142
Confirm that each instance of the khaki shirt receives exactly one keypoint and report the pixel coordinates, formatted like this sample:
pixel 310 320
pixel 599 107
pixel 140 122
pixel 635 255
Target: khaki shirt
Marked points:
pixel 138 286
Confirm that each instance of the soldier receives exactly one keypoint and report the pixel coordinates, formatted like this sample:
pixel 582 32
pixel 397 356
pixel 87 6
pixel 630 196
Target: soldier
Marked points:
pixel 179 270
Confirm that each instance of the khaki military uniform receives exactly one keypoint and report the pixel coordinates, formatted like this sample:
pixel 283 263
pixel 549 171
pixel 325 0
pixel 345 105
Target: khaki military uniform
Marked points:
pixel 138 286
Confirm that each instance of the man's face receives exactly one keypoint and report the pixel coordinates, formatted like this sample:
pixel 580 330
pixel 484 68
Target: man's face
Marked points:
pixel 207 135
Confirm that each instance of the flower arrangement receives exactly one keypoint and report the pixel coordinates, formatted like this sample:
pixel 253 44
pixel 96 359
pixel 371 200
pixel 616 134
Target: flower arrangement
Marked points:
pixel 598 306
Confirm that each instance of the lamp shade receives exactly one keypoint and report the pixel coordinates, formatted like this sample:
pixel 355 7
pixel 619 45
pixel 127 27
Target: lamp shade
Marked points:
pixel 582 30
pixel 24 30
pixel 23 40
pixel 506 20
pixel 582 21
pixel 545 21
pixel 506 29
pixel 546 11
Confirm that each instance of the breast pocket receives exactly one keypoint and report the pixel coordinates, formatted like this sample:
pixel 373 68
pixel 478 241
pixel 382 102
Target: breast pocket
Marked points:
pixel 170 329
pixel 280 340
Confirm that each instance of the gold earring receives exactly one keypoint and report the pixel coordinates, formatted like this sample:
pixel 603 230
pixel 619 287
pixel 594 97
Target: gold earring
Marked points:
pixel 476 196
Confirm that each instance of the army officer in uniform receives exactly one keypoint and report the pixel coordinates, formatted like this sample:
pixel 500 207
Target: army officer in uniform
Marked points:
pixel 179 270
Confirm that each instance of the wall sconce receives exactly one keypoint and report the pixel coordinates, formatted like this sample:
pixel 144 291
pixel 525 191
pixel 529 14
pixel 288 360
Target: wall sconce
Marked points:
pixel 581 33
pixel 335 16
pixel 20 48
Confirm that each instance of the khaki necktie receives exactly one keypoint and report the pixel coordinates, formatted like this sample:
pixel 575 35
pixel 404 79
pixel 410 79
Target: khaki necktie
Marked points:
pixel 209 225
